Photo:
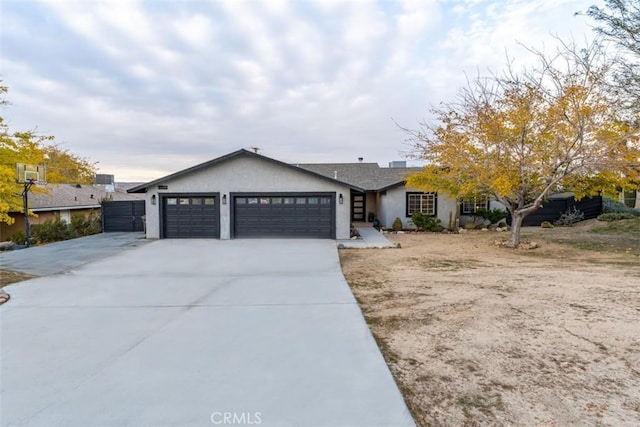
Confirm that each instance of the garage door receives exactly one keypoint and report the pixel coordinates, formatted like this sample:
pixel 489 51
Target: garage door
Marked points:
pixel 284 215
pixel 191 216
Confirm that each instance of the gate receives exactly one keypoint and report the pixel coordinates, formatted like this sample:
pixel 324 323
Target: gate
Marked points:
pixel 124 215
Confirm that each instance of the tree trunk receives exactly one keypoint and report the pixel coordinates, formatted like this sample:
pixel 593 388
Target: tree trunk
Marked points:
pixel 516 226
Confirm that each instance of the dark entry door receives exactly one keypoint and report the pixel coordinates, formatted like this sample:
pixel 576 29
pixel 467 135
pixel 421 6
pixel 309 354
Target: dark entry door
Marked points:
pixel 358 206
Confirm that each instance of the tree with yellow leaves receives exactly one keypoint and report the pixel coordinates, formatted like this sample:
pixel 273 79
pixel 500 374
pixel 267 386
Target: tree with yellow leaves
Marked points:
pixel 29 147
pixel 520 136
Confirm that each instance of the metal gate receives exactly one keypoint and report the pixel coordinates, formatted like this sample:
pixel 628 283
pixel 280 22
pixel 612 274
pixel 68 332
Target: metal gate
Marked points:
pixel 123 215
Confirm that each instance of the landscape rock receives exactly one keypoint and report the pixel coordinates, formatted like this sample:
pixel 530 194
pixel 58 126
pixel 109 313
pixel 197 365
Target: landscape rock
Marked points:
pixel 4 297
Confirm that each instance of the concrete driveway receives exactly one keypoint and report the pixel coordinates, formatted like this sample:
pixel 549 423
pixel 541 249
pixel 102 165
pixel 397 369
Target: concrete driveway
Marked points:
pixel 195 333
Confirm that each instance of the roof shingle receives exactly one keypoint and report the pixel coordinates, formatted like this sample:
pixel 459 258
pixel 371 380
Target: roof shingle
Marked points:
pixel 368 176
pixel 72 196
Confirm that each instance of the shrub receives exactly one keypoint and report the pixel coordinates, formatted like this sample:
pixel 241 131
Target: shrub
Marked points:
pixel 57 230
pixel 86 225
pixel 397 224
pixel 426 222
pixel 492 215
pixel 615 216
pixel 612 206
pixel 19 237
pixel 51 231
pixel 570 217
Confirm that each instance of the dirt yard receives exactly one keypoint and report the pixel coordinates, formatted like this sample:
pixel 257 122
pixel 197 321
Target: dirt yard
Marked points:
pixel 479 335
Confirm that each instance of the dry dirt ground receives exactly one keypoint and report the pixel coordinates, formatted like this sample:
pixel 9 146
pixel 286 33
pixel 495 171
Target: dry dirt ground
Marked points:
pixel 480 335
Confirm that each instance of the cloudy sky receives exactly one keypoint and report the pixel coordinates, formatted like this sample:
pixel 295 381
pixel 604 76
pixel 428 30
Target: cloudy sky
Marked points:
pixel 146 88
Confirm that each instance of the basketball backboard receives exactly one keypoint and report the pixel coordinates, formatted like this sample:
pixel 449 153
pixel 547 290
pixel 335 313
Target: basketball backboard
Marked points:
pixel 27 173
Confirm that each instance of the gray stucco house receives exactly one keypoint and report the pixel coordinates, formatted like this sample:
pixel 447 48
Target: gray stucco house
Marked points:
pixel 248 195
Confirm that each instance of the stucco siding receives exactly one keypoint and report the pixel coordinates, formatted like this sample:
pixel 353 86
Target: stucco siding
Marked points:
pixel 246 174
pixel 393 205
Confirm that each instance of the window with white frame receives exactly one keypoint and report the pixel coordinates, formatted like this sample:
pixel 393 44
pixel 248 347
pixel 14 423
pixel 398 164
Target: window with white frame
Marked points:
pixel 425 203
pixel 471 205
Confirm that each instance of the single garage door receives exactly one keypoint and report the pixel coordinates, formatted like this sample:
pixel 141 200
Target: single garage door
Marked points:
pixel 191 216
pixel 284 215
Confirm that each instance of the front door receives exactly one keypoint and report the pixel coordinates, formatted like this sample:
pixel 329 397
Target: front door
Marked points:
pixel 358 207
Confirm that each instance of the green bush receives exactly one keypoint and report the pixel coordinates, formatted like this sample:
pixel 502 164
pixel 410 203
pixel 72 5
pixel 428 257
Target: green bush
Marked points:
pixel 51 231
pixel 425 222
pixel 19 237
pixel 57 229
pixel 612 206
pixel 615 216
pixel 397 224
pixel 492 215
pixel 86 225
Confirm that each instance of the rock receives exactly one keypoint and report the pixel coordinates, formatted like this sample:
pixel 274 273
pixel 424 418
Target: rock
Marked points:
pixel 484 229
pixel 462 230
pixel 528 245
pixel 4 297
pixel 354 238
pixel 400 232
pixel 546 224
pixel 340 246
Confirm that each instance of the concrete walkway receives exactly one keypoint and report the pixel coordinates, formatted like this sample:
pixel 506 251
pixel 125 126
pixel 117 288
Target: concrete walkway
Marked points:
pixel 369 238
pixel 192 333
pixel 62 256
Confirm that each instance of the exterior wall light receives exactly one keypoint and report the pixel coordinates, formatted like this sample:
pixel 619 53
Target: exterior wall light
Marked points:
pixel 153 199
pixel 340 199
pixel 224 199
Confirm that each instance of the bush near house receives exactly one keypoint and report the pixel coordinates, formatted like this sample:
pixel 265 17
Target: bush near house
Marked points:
pixel 425 222
pixel 612 206
pixel 57 230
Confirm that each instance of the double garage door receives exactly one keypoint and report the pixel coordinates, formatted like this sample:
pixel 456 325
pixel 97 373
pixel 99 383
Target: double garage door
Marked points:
pixel 252 216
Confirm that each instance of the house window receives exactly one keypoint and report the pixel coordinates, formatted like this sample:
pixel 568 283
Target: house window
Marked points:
pixel 421 202
pixel 471 205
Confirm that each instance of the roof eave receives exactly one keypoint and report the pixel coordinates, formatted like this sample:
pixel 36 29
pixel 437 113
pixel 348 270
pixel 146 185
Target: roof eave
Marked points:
pixel 143 187
pixel 63 208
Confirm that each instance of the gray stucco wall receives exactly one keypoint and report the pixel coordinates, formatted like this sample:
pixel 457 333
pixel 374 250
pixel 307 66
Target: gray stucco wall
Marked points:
pixel 394 204
pixel 245 174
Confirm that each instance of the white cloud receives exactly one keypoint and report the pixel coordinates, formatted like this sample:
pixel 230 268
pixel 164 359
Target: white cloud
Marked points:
pixel 147 88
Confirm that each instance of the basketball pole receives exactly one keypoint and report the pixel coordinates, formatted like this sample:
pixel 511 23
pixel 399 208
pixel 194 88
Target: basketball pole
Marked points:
pixel 25 201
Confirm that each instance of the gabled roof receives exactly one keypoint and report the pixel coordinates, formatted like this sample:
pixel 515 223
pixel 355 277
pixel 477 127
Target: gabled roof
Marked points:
pixel 240 153
pixel 368 176
pixel 74 196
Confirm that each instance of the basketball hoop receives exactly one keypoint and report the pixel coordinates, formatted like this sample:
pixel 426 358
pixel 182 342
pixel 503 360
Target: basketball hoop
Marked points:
pixel 29 175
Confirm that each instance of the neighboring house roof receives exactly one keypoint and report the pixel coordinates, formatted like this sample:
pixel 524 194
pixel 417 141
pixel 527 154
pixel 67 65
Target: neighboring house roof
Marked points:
pixel 74 196
pixel 242 152
pixel 368 176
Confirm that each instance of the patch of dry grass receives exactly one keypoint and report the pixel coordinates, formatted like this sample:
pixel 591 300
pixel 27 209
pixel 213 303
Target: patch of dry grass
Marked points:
pixel 8 277
pixel 480 335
